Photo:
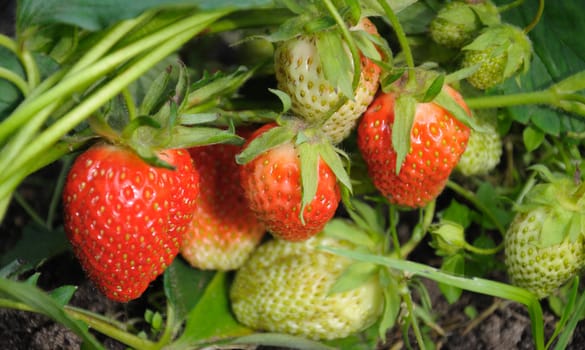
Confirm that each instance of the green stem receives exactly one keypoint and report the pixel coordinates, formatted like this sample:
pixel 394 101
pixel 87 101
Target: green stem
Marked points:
pixel 393 228
pixel 31 68
pixel 56 198
pixel 420 231
pixel 475 284
pixel 536 18
pixel 260 18
pixel 510 6
pixel 29 210
pixel 109 329
pixel 470 196
pixel 526 98
pixel 15 79
pixel 167 334
pixel 407 298
pixel 483 251
pixel 8 43
pixel 68 121
pixel 402 39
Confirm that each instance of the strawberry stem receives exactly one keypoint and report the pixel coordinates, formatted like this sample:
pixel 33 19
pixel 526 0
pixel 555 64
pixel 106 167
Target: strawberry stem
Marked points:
pixel 427 215
pixel 525 98
pixel 402 39
pixel 536 18
pixel 15 79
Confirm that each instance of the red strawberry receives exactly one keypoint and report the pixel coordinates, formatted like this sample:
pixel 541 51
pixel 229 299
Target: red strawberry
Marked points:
pixel 224 231
pixel 437 140
pixel 300 73
pixel 125 218
pixel 272 185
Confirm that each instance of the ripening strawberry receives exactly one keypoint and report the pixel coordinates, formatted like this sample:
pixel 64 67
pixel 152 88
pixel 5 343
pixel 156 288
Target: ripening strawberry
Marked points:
pixel 284 287
pixel 437 140
pixel 299 73
pixel 542 249
pixel 224 231
pixel 125 219
pixel 484 149
pixel 272 186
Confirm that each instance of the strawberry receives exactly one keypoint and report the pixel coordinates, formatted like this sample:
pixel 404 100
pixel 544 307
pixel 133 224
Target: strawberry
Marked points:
pixel 544 245
pixel 125 219
pixel 272 186
pixel 284 287
pixel 224 231
pixel 499 52
pixel 300 73
pixel 458 22
pixel 437 140
pixel 484 149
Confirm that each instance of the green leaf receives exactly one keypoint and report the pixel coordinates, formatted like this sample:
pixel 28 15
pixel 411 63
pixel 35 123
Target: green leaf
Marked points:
pixel 404 114
pixel 356 275
pixel 267 140
pixel 309 159
pixel 454 264
pixel 98 14
pixel 211 318
pixel 281 340
pixel 346 230
pixel 336 62
pixel 9 94
pixel 184 286
pixel 62 295
pixel 532 138
pixel 45 304
pixel 28 248
pixel 392 302
pixel 458 213
pixel 332 158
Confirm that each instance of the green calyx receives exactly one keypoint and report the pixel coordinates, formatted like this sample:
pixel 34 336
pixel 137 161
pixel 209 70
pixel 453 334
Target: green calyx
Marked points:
pixel 565 202
pixel 497 53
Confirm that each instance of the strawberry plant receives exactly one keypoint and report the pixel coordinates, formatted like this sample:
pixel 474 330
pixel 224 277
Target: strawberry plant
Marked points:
pixel 294 174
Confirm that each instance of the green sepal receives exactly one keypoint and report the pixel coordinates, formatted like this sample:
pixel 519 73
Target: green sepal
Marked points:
pixel 336 62
pixel 284 99
pixel 461 74
pixel 404 114
pixel 434 89
pixel 156 93
pixel 388 80
pixel 198 118
pixel 309 159
pixel 354 276
pixel 268 140
pixel 182 87
pixel 366 44
pixel 332 157
pixel 346 230
pixel 134 124
pixel 187 137
pixel 447 102
pixel 392 301
pixel 556 227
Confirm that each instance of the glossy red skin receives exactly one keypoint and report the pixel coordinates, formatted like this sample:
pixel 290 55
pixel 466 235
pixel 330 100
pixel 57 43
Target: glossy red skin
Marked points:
pixel 124 218
pixel 272 185
pixel 222 217
pixel 437 141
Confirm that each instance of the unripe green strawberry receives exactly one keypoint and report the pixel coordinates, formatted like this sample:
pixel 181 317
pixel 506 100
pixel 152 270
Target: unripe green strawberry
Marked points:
pixel 484 149
pixel 544 246
pixel 499 52
pixel 300 74
pixel 284 287
pixel 457 23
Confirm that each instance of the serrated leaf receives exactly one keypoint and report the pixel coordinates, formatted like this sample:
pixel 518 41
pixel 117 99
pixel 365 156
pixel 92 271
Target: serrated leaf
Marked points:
pixel 345 230
pixel 29 251
pixel 404 114
pixel 212 317
pixel 332 159
pixel 454 264
pixel 62 295
pixel 267 140
pixel 336 62
pixel 184 286
pixel 309 159
pixel 354 276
